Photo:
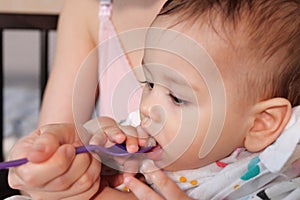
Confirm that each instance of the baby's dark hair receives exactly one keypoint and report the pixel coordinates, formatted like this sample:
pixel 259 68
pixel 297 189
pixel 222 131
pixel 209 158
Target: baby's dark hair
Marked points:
pixel 272 32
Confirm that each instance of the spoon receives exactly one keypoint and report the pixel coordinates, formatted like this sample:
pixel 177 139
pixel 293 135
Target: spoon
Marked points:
pixel 117 150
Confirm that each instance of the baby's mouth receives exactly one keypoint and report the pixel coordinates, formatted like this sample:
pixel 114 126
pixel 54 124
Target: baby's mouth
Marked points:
pixel 156 152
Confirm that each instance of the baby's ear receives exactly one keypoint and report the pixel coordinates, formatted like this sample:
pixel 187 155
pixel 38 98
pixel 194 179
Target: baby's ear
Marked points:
pixel 270 118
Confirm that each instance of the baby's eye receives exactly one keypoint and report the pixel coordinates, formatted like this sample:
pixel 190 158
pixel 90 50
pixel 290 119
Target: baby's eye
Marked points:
pixel 176 100
pixel 148 84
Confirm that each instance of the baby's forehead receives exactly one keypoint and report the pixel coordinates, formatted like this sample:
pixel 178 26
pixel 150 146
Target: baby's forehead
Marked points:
pixel 209 53
pixel 228 52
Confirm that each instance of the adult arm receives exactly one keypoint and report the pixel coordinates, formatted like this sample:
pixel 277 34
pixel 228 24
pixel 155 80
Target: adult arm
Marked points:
pixel 76 38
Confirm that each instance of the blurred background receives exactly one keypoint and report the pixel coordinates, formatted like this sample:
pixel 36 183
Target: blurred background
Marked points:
pixel 21 56
pixel 21 67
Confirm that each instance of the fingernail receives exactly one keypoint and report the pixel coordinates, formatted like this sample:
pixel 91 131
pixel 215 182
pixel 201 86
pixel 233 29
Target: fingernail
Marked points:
pixel 115 132
pixel 132 148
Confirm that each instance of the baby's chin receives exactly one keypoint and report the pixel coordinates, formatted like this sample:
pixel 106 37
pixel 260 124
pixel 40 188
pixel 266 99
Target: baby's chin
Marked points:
pixel 171 164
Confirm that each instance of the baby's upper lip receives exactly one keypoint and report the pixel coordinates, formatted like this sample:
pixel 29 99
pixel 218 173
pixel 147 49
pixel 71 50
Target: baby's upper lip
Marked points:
pixel 156 152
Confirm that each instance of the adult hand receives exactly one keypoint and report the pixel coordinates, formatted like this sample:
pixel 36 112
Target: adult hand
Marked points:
pixel 167 189
pixel 53 170
pixel 107 132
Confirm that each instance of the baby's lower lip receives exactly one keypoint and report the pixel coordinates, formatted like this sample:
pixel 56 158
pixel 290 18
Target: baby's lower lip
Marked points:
pixel 155 153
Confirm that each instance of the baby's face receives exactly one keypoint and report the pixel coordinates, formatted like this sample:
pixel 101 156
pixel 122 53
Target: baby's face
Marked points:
pixel 186 105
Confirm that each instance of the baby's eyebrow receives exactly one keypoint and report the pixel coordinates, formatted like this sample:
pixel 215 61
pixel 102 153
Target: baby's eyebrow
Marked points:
pixel 181 82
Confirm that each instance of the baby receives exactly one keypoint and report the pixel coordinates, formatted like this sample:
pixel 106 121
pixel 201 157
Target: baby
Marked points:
pixel 221 80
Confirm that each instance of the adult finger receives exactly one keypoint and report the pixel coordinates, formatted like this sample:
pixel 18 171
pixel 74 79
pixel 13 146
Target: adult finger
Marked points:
pixel 66 194
pixel 88 179
pixel 103 127
pixel 115 134
pixel 27 147
pixel 43 148
pixel 132 144
pixel 82 164
pixel 131 166
pixel 88 194
pixel 85 186
pixel 41 173
pixel 166 187
pixel 40 150
pixel 50 137
pixel 141 190
pixel 143 136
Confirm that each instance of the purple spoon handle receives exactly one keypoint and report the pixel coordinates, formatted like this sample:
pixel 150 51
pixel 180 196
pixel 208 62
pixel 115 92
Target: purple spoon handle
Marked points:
pixel 117 150
pixel 13 163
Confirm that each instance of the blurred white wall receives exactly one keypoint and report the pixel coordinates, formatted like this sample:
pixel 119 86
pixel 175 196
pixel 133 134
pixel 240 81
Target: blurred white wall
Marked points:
pixel 21 82
pixel 22 56
pixel 21 69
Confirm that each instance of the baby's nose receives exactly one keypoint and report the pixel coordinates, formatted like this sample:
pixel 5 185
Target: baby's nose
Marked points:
pixel 155 121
